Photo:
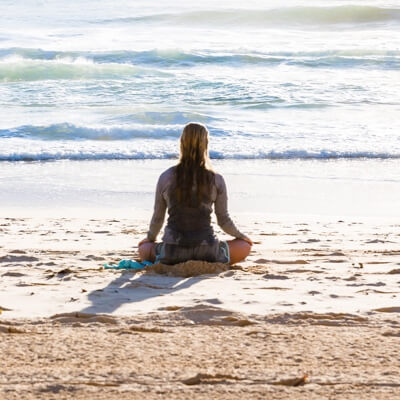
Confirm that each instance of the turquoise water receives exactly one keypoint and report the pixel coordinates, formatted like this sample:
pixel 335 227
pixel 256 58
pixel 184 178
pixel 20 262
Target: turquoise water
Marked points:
pixel 83 80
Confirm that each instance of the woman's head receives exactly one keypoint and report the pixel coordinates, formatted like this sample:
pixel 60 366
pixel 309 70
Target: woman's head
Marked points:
pixel 194 144
pixel 194 175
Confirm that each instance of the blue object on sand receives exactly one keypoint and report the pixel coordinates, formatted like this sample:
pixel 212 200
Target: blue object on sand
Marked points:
pixel 129 264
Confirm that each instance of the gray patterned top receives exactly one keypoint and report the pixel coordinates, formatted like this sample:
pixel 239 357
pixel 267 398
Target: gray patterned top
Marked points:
pixel 218 198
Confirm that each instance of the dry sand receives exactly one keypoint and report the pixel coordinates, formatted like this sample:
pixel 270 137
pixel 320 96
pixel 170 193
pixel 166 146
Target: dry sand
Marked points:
pixel 313 313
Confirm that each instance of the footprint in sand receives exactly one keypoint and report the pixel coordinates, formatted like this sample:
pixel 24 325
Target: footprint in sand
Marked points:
pixel 273 276
pixel 337 254
pixel 300 271
pixel 14 274
pixel 213 301
pixel 95 258
pixel 17 259
pixel 378 241
pixel 394 271
pixel 388 309
pixel 336 296
pixel 4 309
pixel 282 262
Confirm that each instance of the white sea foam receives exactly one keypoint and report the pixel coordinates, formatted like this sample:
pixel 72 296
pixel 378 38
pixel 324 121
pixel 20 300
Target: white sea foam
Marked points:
pixel 142 155
pixel 21 149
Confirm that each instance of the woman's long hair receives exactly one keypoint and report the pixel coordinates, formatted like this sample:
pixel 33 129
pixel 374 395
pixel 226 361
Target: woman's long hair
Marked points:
pixel 193 175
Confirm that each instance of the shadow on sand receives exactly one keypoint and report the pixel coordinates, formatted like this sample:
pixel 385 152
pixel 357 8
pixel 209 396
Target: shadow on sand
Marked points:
pixel 131 287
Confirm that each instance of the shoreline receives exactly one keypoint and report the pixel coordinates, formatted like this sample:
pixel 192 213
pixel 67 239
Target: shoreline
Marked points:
pixel 340 189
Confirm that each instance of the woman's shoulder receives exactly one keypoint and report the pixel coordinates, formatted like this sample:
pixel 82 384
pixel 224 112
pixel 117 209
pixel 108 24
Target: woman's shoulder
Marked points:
pixel 169 171
pixel 219 181
pixel 167 175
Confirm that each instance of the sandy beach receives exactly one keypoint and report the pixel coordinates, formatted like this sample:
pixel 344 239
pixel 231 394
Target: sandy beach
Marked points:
pixel 313 313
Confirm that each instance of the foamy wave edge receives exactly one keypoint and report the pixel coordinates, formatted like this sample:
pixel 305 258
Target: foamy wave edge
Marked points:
pixel 217 155
pixel 19 63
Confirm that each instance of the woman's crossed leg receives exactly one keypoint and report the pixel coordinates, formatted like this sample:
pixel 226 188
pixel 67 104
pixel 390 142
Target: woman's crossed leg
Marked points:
pixel 239 249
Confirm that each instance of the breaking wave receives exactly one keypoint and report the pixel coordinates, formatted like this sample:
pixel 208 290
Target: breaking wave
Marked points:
pixel 16 68
pixel 24 64
pixel 136 154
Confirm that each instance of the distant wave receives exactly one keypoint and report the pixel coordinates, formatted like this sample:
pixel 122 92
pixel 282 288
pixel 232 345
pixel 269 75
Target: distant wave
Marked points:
pixel 24 64
pixel 301 15
pixel 67 131
pixel 16 68
pixel 149 125
pixel 81 154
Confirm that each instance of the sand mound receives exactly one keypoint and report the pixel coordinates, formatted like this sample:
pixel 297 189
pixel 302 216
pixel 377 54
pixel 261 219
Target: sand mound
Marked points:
pixel 188 268
pixel 73 317
pixel 203 314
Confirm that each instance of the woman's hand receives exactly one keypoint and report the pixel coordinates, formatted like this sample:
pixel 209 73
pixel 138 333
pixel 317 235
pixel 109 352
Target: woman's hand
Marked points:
pixel 145 240
pixel 248 240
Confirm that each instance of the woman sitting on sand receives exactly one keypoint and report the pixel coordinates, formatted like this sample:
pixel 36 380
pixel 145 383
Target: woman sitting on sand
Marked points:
pixel 189 191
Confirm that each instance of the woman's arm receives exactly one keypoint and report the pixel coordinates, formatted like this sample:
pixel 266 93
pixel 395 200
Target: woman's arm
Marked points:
pixel 160 207
pixel 221 210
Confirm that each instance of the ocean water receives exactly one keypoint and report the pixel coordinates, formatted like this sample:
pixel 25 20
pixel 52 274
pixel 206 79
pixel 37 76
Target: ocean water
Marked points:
pixel 106 80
